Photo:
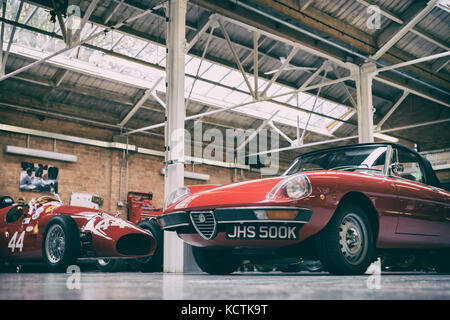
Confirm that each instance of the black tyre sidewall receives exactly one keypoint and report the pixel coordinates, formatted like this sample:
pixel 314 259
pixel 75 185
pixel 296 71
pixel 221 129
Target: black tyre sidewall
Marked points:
pixel 153 263
pixel 218 262
pixel 328 246
pixel 72 243
pixel 113 265
pixel 442 261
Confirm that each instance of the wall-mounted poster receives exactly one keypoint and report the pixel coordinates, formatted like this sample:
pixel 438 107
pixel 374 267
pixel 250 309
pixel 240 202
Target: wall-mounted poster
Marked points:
pixel 38 177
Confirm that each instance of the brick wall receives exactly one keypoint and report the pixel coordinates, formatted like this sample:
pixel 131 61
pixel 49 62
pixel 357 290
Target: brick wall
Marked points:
pixel 97 169
pixel 443 175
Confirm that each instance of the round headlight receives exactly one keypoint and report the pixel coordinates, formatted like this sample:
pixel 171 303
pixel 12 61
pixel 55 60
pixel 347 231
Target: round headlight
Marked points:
pixel 295 187
pixel 176 195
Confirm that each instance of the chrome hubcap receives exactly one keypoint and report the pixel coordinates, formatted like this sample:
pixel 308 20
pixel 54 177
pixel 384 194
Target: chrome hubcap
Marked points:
pixel 353 238
pixel 55 243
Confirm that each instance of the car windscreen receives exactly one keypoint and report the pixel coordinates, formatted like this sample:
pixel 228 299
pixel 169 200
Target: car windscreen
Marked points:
pixel 352 158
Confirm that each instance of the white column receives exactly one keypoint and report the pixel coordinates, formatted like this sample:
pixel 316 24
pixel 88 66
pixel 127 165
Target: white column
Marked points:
pixel 175 113
pixel 363 78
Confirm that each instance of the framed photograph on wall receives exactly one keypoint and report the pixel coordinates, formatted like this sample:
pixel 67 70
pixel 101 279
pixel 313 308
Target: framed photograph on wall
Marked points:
pixel 38 177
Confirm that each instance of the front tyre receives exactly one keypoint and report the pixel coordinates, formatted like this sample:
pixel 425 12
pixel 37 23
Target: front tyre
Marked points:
pixel 61 243
pixel 346 246
pixel 219 262
pixel 153 263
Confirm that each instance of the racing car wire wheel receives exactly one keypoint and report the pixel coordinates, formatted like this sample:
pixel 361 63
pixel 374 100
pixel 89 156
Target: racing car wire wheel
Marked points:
pixel 61 243
pixel 219 262
pixel 153 263
pixel 346 245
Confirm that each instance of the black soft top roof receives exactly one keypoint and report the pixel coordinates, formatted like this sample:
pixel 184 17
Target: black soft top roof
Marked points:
pixel 432 179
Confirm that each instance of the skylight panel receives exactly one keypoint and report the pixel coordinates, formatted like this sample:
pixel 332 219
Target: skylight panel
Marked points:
pixel 216 73
pixel 162 62
pixel 233 79
pixel 243 86
pixel 219 92
pixel 152 54
pixel 202 87
pixel 281 91
pixel 40 18
pixel 129 46
pixel 203 91
pixel 192 66
pixel 236 97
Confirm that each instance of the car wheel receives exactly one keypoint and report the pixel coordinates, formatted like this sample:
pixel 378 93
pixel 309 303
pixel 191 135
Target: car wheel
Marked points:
pixel 346 245
pixel 442 262
pixel 218 262
pixel 153 263
pixel 264 267
pixel 313 266
pixel 293 267
pixel 111 265
pixel 61 243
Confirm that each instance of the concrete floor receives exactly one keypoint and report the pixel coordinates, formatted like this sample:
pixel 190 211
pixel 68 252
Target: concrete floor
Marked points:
pixel 238 286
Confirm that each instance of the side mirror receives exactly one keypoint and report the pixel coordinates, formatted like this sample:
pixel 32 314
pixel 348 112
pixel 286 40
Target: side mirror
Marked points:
pixel 397 168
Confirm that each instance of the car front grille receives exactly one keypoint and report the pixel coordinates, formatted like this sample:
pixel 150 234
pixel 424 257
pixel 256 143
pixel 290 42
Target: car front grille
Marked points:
pixel 204 223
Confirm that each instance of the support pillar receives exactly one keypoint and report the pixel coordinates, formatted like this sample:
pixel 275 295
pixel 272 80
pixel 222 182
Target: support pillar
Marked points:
pixel 363 78
pixel 175 117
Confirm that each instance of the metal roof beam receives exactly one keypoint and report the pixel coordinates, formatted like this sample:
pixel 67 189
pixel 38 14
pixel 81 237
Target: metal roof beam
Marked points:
pixel 276 27
pixel 147 93
pixel 416 30
pixel 293 147
pixel 439 64
pixel 112 9
pixel 236 59
pixel 215 35
pixel 392 34
pixel 85 19
pixel 196 116
pixel 203 26
pixel 76 44
pixel 293 52
pixel 304 4
pixel 391 111
pixel 11 39
pixel 255 133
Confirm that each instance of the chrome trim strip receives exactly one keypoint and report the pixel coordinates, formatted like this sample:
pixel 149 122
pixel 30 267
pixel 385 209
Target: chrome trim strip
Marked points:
pixel 262 221
pixel 260 208
pixel 176 225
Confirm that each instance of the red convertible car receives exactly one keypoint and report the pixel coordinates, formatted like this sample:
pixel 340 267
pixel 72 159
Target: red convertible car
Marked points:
pixel 344 206
pixel 46 230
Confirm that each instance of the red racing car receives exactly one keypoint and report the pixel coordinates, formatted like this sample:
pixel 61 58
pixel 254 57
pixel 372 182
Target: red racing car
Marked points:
pixel 46 230
pixel 344 206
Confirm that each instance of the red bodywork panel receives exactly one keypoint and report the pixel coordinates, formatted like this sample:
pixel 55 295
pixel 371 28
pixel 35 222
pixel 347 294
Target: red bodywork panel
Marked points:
pixel 409 214
pixel 140 206
pixel 103 230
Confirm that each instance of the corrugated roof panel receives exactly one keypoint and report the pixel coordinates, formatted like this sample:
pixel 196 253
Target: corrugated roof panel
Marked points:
pixel 350 12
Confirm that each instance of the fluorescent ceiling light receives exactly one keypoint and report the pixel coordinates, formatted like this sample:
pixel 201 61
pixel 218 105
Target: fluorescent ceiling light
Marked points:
pixel 41 154
pixel 385 137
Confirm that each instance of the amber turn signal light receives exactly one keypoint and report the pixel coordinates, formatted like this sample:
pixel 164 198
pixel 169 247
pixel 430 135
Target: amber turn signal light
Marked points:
pixel 281 214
